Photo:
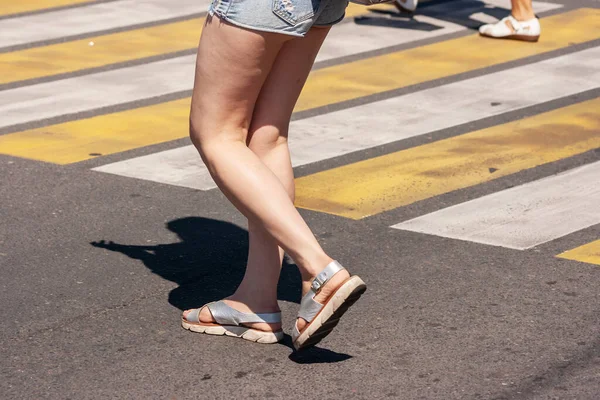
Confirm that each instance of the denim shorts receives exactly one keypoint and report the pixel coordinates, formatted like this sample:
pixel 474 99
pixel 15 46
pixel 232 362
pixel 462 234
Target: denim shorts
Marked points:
pixel 290 17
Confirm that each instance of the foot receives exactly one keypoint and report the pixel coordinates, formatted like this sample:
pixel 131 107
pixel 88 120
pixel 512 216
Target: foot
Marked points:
pixel 325 292
pixel 243 306
pixel 406 5
pixel 511 28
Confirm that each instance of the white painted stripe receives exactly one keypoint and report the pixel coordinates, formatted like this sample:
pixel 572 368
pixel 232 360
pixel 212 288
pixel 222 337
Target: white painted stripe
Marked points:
pixel 89 92
pixel 94 91
pixel 521 217
pixel 346 131
pixel 93 18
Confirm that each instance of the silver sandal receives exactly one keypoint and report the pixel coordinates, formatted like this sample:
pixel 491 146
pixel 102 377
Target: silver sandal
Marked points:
pixel 322 318
pixel 229 322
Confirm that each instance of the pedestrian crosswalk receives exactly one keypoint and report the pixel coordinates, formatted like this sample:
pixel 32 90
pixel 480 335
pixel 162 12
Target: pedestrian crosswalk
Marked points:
pixel 386 182
pixel 76 141
pixel 81 80
pixel 318 138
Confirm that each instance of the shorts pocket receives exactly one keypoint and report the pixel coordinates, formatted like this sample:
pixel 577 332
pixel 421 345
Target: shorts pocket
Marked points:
pixel 295 11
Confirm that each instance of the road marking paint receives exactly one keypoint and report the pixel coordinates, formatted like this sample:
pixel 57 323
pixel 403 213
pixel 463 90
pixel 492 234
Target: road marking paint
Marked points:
pixel 75 141
pixel 588 253
pixel 107 49
pixel 528 215
pixel 135 44
pixel 56 98
pixel 93 18
pixel 404 68
pixel 16 7
pixel 90 92
pixel 319 138
pixel 383 183
pixel 78 94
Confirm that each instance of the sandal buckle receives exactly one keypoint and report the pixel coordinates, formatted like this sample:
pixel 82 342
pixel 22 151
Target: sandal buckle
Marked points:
pixel 316 285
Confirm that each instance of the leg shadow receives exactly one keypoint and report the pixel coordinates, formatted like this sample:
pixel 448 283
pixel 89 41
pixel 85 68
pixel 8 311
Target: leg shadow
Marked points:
pixel 208 262
pixel 313 355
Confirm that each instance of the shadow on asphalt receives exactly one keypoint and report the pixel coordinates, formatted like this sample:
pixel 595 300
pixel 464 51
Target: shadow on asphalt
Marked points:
pixel 313 355
pixel 208 263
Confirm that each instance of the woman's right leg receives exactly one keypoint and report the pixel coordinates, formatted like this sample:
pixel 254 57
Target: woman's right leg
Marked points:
pixel 268 139
pixel 233 64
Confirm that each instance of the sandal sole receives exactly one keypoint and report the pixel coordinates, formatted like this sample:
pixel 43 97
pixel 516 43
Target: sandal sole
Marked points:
pixel 329 316
pixel 523 38
pixel 241 332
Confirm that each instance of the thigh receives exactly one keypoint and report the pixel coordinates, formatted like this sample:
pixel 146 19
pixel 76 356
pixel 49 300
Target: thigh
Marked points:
pixel 231 67
pixel 282 87
pixel 275 104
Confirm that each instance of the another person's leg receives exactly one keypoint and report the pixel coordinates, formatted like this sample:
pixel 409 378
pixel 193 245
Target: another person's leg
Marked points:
pixel 522 10
pixel 521 24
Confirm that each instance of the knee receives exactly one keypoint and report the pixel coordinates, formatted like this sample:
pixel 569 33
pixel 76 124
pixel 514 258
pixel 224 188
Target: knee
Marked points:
pixel 199 131
pixel 215 142
pixel 265 139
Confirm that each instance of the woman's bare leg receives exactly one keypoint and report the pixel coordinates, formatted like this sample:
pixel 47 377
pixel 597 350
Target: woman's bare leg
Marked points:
pixel 268 140
pixel 233 64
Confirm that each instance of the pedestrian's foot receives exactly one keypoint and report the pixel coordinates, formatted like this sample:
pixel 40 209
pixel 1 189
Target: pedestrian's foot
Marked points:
pixel 326 298
pixel 510 28
pixel 406 5
pixel 325 292
pixel 206 317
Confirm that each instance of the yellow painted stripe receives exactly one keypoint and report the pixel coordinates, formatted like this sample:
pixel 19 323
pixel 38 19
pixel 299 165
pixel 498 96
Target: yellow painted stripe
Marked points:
pixel 588 253
pixel 108 49
pixel 383 183
pixel 77 140
pixel 8 7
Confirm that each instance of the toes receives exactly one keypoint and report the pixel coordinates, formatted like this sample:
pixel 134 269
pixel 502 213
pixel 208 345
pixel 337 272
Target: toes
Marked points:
pixel 301 323
pixel 206 316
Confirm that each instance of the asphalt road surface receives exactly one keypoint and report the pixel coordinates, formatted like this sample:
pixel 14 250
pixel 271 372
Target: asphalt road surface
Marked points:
pixel 458 176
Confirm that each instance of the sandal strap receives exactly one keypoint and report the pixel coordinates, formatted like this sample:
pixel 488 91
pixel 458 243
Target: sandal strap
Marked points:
pixel 194 315
pixel 225 315
pixel 309 308
pixel 516 25
pixel 320 280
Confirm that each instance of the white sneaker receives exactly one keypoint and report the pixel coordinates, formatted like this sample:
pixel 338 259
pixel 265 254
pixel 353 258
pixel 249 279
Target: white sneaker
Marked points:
pixel 406 5
pixel 521 30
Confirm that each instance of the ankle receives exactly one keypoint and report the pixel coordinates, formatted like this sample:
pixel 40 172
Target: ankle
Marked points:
pixel 256 299
pixel 310 270
pixel 523 15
